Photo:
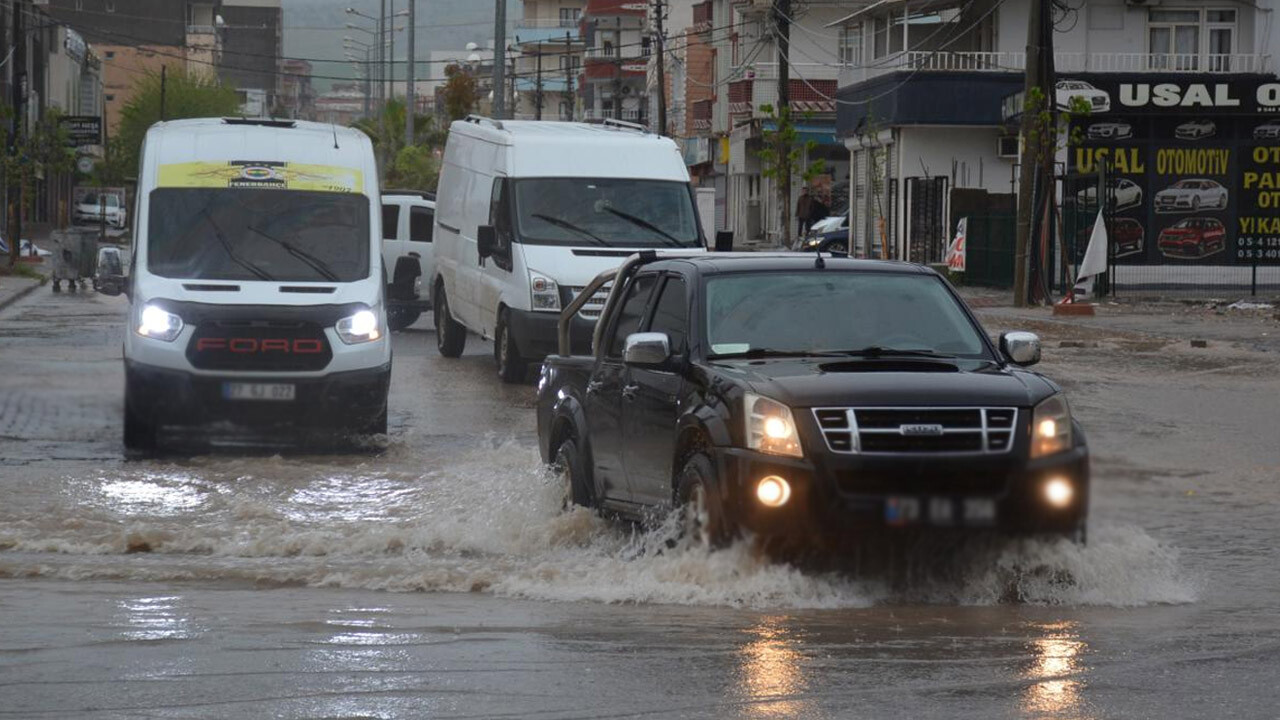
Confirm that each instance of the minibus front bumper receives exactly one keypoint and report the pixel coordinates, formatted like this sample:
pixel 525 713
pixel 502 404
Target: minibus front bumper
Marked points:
pixel 536 333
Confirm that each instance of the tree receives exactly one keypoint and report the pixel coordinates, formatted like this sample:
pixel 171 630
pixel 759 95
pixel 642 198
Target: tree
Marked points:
pixel 43 151
pixel 461 93
pixel 782 157
pixel 415 167
pixel 386 132
pixel 185 96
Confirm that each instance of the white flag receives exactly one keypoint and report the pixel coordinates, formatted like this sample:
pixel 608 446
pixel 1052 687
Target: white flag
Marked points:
pixel 1095 259
pixel 956 250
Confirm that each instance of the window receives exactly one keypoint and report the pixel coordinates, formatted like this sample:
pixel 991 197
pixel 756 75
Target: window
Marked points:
pixel 880 39
pixel 632 311
pixel 569 17
pixel 111 54
pixel 645 46
pixel 421 222
pixel 390 222
pixel 1191 39
pixel 500 219
pixel 671 314
pixel 851 45
pixel 111 97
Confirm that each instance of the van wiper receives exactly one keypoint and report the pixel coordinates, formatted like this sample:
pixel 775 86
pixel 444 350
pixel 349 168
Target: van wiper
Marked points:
pixel 312 261
pixel 671 240
pixel 569 226
pixel 773 353
pixel 226 247
pixel 879 351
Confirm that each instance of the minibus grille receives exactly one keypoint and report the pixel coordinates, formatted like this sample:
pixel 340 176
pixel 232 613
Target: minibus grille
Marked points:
pixel 268 346
pixel 593 307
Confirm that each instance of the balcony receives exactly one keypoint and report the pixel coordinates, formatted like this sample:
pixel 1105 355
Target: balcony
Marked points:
pixel 812 87
pixel 615 8
pixel 701 115
pixel 1064 62
pixel 703 17
pixel 547 23
pixel 610 53
pixel 635 116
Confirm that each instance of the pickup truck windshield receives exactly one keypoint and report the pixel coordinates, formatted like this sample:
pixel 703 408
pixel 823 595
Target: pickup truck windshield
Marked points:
pixel 829 311
pixel 605 211
pixel 258 234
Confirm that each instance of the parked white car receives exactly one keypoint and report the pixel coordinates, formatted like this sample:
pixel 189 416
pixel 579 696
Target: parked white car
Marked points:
pixel 1190 195
pixel 1115 130
pixel 1196 130
pixel 1269 130
pixel 92 207
pixel 1126 194
pixel 1099 101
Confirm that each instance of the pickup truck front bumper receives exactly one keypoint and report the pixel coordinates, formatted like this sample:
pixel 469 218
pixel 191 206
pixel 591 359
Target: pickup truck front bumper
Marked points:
pixel 844 496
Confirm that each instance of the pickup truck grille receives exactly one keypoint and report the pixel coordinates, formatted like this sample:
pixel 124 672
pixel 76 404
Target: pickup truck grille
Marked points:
pixel 595 305
pixel 987 431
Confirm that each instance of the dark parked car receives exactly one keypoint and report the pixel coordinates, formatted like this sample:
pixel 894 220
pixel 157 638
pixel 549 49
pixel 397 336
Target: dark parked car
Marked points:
pixel 725 384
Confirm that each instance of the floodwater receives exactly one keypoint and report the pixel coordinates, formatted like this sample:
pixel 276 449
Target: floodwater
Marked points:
pixel 439 578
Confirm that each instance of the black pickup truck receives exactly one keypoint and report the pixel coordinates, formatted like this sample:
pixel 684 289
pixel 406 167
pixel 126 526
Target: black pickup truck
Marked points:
pixel 805 396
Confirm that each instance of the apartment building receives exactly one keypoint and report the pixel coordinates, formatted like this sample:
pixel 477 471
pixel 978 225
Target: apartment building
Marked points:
pixel 252 44
pixel 549 43
pixel 616 60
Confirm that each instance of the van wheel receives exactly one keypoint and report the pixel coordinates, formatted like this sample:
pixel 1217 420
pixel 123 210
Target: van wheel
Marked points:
pixel 511 367
pixel 139 430
pixel 400 318
pixel 451 337
pixel 703 520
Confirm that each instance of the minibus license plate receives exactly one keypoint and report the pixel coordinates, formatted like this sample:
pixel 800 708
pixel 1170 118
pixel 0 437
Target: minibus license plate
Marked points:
pixel 258 391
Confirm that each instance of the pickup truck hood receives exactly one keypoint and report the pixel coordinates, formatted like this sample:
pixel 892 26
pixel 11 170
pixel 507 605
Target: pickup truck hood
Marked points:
pixel 577 266
pixel 833 382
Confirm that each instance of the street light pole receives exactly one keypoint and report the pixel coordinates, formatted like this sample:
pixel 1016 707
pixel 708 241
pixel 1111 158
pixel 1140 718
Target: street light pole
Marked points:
pixel 500 59
pixel 410 99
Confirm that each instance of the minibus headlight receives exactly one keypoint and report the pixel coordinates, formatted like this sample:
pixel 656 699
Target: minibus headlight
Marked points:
pixel 359 328
pixel 153 322
pixel 545 293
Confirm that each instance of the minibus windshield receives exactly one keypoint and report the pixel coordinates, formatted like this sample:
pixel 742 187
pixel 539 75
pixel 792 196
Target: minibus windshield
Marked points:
pixel 258 234
pixel 621 212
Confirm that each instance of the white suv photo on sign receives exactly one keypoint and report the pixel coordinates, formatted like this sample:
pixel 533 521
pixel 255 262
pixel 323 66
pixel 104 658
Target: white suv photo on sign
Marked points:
pixel 1099 101
pixel 1190 195
pixel 1269 130
pixel 1114 130
pixel 1126 194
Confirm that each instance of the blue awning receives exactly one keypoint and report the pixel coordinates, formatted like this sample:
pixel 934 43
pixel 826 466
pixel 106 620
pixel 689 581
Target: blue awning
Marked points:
pixel 820 133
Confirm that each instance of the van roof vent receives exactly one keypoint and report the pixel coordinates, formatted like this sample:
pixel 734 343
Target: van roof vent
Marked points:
pixel 264 122
pixel 477 119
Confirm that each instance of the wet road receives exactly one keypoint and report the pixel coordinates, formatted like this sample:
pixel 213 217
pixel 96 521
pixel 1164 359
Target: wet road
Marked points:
pixel 436 579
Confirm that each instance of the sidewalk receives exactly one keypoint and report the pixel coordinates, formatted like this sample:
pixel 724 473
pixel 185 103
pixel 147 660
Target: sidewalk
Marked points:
pixel 13 288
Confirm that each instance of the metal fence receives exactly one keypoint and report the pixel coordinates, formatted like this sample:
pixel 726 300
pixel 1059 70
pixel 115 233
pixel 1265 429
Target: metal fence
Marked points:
pixel 989 249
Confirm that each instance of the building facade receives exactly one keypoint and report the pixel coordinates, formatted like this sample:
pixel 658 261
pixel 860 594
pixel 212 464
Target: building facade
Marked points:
pixel 614 80
pixel 549 44
pixel 252 45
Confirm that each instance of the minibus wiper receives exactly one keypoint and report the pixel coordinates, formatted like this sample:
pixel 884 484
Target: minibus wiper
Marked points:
pixel 645 224
pixel 312 261
pixel 568 226
pixel 226 246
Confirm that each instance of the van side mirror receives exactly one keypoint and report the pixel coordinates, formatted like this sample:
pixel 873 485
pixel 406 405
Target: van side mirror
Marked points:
pixel 1022 348
pixel 486 241
pixel 651 349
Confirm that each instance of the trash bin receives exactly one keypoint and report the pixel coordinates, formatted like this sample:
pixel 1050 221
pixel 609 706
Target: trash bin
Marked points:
pixel 75 254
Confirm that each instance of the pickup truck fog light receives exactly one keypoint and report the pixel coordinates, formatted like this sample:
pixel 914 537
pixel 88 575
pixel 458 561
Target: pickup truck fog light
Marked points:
pixel 159 324
pixel 1058 492
pixel 773 491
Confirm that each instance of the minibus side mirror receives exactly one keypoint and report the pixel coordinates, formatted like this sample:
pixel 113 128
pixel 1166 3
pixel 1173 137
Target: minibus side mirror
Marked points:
pixel 486 241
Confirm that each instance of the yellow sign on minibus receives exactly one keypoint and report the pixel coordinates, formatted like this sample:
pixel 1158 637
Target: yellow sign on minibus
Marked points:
pixel 259 174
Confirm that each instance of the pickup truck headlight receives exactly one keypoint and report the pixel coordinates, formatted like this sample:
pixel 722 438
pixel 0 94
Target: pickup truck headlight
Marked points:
pixel 545 294
pixel 770 427
pixel 1051 427
pixel 153 322
pixel 361 327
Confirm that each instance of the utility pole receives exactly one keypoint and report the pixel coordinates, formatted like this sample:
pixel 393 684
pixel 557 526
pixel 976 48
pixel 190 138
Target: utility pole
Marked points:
pixel 782 18
pixel 19 60
pixel 1031 154
pixel 410 99
pixel 537 95
pixel 382 55
pixel 163 81
pixel 617 70
pixel 391 51
pixel 568 75
pixel 500 59
pixel 659 10
pixel 368 84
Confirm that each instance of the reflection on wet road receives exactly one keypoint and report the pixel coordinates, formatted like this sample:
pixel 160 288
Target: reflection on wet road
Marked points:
pixel 273 583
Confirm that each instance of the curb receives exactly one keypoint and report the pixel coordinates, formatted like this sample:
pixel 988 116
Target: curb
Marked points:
pixel 6 302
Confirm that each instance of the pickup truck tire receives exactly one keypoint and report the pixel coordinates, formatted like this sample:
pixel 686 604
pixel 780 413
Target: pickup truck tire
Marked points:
pixel 571 469
pixel 704 522
pixel 451 337
pixel 511 367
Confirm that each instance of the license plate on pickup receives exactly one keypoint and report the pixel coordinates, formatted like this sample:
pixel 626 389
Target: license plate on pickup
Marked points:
pixel 941 511
pixel 277 392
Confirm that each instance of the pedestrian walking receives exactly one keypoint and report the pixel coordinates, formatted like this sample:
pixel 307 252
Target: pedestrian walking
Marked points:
pixel 804 207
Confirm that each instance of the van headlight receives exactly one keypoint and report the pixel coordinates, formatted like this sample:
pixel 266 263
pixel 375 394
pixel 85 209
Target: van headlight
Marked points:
pixel 545 293
pixel 159 324
pixel 1051 427
pixel 770 427
pixel 362 327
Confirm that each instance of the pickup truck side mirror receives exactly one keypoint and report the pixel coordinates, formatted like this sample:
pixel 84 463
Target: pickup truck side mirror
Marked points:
pixel 486 241
pixel 1022 348
pixel 651 349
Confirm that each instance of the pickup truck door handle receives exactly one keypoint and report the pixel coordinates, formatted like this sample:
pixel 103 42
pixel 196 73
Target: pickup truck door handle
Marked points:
pixel 629 391
pixel 594 387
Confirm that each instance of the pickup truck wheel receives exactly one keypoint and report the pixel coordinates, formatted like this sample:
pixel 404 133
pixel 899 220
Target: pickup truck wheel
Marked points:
pixel 703 521
pixel 571 470
pixel 400 318
pixel 451 337
pixel 511 367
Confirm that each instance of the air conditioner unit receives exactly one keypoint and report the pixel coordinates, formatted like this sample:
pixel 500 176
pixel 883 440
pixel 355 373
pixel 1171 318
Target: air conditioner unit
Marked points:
pixel 1008 146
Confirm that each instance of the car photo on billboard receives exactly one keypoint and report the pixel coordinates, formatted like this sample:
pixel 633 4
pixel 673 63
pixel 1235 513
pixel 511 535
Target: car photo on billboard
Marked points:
pixel 1125 194
pixel 1193 238
pixel 1126 235
pixel 1269 130
pixel 1190 195
pixel 1196 130
pixel 1111 130
pixel 1067 90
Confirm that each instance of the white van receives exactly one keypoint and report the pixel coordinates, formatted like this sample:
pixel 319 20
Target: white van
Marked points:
pixel 256 291
pixel 527 213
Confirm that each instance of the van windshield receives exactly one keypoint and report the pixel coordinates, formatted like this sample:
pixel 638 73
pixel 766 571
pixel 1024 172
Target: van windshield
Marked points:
pixel 258 234
pixel 606 211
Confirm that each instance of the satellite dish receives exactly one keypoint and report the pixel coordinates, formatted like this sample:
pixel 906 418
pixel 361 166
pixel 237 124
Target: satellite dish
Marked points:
pixel 474 58
pixel 472 47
